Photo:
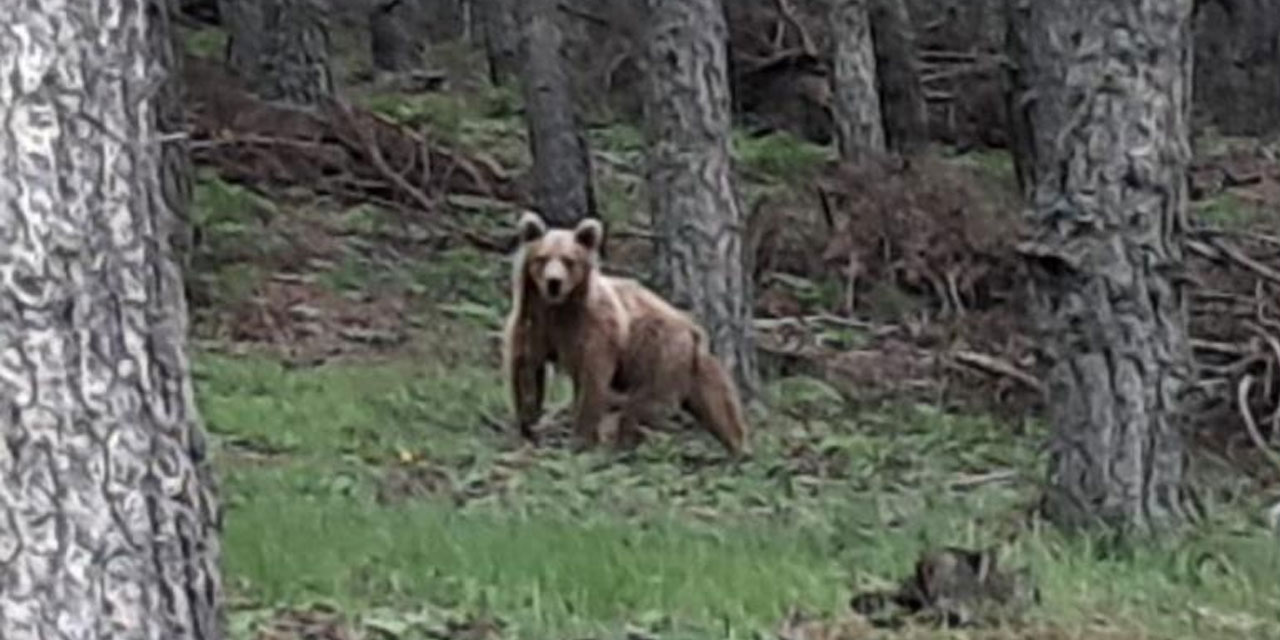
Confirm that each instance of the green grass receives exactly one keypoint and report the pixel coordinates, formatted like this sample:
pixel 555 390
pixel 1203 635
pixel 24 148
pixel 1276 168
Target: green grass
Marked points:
pixel 779 157
pixel 561 545
pixel 1228 211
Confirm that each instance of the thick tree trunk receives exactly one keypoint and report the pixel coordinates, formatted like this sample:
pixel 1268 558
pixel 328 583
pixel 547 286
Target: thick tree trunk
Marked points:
pixel 501 39
pixel 396 35
pixel 906 116
pixel 281 48
pixel 856 100
pixel 108 519
pixel 695 209
pixel 1111 149
pixel 561 160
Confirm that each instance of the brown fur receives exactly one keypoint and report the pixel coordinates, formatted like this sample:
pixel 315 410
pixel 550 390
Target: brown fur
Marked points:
pixel 623 346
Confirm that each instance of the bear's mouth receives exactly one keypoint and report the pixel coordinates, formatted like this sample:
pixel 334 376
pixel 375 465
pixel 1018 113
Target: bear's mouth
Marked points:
pixel 554 292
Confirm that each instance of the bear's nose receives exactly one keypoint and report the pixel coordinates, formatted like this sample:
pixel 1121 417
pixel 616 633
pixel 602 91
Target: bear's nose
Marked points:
pixel 553 287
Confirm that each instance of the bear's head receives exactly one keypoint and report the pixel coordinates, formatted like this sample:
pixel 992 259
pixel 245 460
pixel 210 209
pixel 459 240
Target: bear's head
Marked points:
pixel 558 261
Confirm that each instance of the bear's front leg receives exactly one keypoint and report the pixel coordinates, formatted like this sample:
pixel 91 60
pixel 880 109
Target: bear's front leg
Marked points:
pixel 592 394
pixel 528 377
pixel 530 386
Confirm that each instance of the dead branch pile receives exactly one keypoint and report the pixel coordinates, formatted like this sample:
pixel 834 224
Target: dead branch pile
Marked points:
pixel 337 149
pixel 922 254
pixel 934 234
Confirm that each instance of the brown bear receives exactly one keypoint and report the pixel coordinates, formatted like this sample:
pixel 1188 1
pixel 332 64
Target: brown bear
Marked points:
pixel 624 348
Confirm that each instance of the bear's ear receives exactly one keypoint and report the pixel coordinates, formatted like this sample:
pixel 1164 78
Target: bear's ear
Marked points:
pixel 530 227
pixel 589 234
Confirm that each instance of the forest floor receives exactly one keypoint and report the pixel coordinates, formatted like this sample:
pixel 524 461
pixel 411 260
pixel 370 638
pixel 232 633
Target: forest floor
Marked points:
pixel 346 366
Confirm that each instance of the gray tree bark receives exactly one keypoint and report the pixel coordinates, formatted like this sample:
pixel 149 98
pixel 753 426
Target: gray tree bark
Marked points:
pixel 497 20
pixel 280 47
pixel 396 35
pixel 855 98
pixel 1110 114
pixel 696 211
pixel 561 160
pixel 906 116
pixel 108 517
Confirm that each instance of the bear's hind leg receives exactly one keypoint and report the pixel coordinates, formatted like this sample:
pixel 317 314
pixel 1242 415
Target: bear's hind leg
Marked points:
pixel 713 401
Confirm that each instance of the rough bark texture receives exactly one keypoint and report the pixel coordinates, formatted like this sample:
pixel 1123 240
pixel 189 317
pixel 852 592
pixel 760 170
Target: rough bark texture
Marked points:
pixel 906 116
pixel 695 209
pixel 855 98
pixel 561 161
pixel 108 519
pixel 1111 150
pixel 281 47
pixel 395 35
pixel 501 39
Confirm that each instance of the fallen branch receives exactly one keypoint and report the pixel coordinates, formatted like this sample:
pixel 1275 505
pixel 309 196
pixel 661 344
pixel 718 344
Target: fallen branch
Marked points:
pixel 991 364
pixel 1239 257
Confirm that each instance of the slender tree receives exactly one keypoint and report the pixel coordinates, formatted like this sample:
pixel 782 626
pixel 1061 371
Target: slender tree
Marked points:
pixel 856 100
pixel 108 516
pixel 396 35
pixel 695 209
pixel 1108 115
pixel 561 160
pixel 497 20
pixel 906 116
pixel 281 47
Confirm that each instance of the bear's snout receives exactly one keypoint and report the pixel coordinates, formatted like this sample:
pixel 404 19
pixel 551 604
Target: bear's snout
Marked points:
pixel 555 278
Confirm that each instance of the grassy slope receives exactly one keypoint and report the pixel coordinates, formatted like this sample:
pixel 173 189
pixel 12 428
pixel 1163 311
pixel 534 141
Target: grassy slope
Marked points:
pixel 384 489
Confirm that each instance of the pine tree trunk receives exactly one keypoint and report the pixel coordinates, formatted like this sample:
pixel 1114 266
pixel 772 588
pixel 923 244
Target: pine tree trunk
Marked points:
pixel 1111 150
pixel 280 47
pixel 501 39
pixel 108 516
pixel 695 209
pixel 856 100
pixel 906 116
pixel 561 161
pixel 396 36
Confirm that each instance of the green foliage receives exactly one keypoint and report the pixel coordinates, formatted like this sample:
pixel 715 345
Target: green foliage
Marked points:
pixel 230 223
pixel 994 164
pixel 207 42
pixel 1228 211
pixel 780 157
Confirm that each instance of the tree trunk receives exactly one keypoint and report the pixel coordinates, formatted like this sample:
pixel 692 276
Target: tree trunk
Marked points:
pixel 906 116
pixel 695 209
pixel 175 158
pixel 446 20
pixel 280 47
pixel 856 101
pixel 396 36
pixel 561 161
pixel 501 39
pixel 108 516
pixel 1111 150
